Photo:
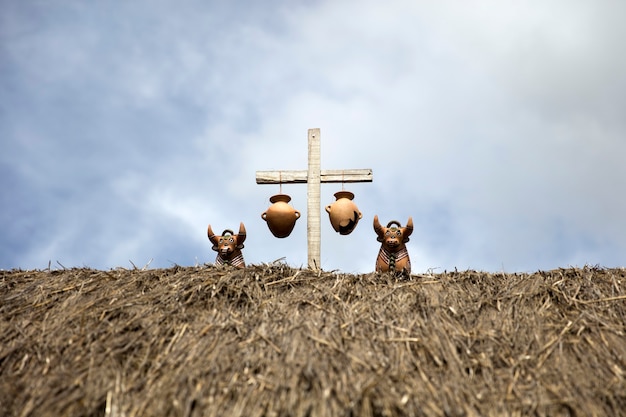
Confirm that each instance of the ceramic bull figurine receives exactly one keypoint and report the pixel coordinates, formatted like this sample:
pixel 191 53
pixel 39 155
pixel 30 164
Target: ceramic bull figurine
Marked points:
pixel 228 246
pixel 393 255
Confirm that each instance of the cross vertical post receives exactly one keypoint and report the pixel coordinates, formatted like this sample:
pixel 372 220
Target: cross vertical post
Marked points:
pixel 314 230
pixel 314 176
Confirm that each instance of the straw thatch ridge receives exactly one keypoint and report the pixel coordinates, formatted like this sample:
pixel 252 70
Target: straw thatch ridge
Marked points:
pixel 271 340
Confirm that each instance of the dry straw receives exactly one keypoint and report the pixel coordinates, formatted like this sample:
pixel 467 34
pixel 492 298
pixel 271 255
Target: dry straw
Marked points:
pixel 270 340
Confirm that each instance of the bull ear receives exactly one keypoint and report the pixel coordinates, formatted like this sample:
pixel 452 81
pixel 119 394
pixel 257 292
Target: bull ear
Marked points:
pixel 408 229
pixel 378 229
pixel 241 236
pixel 214 239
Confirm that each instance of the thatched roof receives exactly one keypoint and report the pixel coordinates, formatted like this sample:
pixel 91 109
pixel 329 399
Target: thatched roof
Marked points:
pixel 270 340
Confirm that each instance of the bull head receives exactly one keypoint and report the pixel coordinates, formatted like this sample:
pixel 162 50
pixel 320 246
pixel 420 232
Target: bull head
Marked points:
pixel 394 235
pixel 228 242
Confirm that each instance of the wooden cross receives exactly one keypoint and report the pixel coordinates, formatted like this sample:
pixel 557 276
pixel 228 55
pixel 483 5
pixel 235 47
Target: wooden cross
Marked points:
pixel 314 177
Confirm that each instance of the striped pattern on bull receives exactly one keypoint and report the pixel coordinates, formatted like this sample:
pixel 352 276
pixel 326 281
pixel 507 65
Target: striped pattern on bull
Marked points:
pixel 236 261
pixel 385 257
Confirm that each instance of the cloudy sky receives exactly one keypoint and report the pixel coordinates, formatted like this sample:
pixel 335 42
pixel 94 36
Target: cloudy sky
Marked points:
pixel 128 126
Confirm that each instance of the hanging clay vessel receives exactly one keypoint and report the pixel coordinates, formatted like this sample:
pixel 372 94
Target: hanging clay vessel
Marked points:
pixel 344 214
pixel 280 216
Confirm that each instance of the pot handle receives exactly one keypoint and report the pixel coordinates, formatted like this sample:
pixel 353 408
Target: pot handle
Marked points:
pixel 297 213
pixel 328 208
pixel 264 215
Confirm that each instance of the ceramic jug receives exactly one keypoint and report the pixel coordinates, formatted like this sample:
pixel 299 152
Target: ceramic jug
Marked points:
pixel 280 216
pixel 344 214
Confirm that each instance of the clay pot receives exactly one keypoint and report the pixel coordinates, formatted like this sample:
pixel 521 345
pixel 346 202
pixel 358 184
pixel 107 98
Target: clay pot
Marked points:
pixel 280 216
pixel 344 214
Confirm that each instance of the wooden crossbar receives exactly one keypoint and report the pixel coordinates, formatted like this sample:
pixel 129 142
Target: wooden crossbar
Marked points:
pixel 326 176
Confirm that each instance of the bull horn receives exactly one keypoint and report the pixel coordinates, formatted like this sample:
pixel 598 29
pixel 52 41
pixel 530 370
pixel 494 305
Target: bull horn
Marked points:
pixel 408 229
pixel 241 237
pixel 378 229
pixel 212 237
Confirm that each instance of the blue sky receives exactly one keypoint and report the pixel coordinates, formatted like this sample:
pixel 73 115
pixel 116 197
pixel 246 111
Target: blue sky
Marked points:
pixel 127 127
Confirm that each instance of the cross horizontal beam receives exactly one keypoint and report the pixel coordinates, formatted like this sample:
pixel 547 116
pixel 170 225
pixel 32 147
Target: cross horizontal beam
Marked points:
pixel 326 175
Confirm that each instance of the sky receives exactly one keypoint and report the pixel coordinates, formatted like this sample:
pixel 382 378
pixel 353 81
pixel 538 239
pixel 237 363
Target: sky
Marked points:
pixel 126 127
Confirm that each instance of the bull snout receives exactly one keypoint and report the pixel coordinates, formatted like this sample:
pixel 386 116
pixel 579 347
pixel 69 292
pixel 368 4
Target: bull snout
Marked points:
pixel 392 243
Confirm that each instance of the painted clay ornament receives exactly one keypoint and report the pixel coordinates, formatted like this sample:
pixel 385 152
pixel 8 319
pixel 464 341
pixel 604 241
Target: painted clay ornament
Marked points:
pixel 393 256
pixel 228 246
pixel 344 214
pixel 280 216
